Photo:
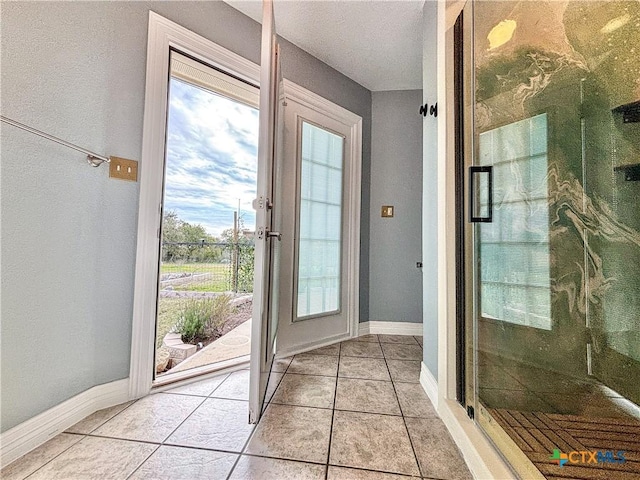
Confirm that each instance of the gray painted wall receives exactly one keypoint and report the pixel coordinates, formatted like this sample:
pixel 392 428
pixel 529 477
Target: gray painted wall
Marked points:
pixel 395 244
pixel 430 192
pixel 77 70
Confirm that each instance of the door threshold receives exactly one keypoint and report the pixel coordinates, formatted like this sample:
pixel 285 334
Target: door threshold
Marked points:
pixel 178 379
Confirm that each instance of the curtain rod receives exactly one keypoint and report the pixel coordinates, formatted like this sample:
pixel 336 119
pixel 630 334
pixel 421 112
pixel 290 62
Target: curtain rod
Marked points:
pixel 94 159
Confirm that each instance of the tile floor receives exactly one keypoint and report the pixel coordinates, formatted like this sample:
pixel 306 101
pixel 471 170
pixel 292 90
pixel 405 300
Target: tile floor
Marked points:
pixel 348 411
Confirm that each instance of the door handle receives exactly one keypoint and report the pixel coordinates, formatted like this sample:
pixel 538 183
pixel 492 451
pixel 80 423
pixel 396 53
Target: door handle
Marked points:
pixel 277 235
pixel 480 199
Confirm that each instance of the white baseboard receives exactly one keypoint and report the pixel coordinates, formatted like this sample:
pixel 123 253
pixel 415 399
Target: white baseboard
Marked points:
pixel 390 328
pixel 287 352
pixel 23 438
pixel 481 456
pixel 429 384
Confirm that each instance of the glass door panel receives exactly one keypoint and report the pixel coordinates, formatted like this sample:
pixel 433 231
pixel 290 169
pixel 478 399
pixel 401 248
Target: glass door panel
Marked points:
pixel 557 272
pixel 319 245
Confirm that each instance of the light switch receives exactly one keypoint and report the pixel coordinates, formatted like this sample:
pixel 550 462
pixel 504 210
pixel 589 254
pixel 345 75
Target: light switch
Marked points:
pixel 123 169
pixel 387 211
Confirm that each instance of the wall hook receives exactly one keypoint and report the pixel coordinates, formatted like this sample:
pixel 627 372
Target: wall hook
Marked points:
pixel 429 110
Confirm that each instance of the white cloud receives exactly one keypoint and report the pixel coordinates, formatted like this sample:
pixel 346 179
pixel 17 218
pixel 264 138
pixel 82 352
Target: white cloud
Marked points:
pixel 212 158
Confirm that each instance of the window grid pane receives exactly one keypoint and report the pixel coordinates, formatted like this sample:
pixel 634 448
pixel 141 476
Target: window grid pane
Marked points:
pixel 514 249
pixel 320 223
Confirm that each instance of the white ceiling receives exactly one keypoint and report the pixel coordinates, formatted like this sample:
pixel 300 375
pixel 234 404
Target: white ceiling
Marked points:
pixel 377 43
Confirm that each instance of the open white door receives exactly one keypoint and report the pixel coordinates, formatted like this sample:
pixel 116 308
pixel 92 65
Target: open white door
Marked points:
pixel 267 205
pixel 321 188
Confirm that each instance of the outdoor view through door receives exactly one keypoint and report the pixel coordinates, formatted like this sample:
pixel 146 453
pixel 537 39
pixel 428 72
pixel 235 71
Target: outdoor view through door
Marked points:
pixel 207 242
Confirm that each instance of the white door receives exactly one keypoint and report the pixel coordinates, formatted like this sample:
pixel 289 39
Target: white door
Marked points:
pixel 267 205
pixel 318 294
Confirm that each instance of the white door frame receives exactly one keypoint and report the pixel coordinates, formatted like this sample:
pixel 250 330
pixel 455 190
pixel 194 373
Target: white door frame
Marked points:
pixel 164 35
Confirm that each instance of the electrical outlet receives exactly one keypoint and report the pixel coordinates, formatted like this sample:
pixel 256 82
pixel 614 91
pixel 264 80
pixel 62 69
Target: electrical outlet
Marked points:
pixel 123 169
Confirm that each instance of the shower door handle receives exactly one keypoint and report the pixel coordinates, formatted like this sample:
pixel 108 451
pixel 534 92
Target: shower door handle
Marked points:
pixel 481 194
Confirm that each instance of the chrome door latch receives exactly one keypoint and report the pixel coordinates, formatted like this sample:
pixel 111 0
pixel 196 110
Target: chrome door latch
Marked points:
pixel 277 235
pixel 260 233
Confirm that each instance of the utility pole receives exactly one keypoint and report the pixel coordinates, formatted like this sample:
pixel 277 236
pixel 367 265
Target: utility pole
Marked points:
pixel 235 254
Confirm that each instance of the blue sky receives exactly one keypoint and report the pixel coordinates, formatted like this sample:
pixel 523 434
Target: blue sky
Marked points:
pixel 212 148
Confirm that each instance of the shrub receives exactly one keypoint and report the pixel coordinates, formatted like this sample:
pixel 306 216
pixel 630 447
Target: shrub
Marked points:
pixel 203 318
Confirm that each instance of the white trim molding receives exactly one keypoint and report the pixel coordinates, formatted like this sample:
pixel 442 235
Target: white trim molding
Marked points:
pixel 429 385
pixel 390 328
pixel 32 433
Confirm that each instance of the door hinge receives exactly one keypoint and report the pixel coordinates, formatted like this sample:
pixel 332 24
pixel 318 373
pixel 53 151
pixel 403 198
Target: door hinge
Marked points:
pixel 262 202
pixel 258 203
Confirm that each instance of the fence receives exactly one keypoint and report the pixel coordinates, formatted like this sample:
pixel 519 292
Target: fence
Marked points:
pixel 207 267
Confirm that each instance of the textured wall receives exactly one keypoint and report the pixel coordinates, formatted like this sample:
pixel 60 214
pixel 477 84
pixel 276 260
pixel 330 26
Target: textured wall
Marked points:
pixel 395 284
pixel 77 70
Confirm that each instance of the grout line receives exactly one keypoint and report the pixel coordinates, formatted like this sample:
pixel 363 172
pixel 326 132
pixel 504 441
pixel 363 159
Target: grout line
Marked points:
pixel 109 437
pixel 386 472
pixel 333 412
pixel 404 420
pixel 255 428
pixel 143 462
pixel 52 459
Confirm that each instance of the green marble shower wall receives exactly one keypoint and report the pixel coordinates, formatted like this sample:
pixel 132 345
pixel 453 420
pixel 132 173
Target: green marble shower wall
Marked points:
pixel 574 66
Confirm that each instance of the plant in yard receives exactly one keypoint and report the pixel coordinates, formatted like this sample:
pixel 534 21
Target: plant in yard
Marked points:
pixel 220 310
pixel 203 318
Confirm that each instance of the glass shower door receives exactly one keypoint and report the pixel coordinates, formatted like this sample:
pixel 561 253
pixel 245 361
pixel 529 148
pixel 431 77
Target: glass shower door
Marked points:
pixel 557 270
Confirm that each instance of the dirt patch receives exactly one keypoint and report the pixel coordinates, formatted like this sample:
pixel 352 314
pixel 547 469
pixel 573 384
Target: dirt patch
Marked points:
pixel 241 314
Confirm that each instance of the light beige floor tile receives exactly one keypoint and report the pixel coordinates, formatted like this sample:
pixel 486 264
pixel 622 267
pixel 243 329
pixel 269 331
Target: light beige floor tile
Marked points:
pixel 29 463
pixel 419 340
pixel 280 364
pixel 402 352
pixel 295 433
pixel 203 388
pixel 401 339
pixel 258 468
pixel 342 473
pixel 360 367
pixel 437 453
pixel 414 401
pixel 93 421
pixel 373 396
pixel 235 387
pixel 272 385
pixel 328 350
pixel 306 391
pixel 589 405
pixel 495 376
pixel 96 458
pixel 151 418
pixel 374 442
pixel 314 365
pixel 366 338
pixel 220 424
pixel 178 463
pixel 407 371
pixel 353 348
pixel 513 400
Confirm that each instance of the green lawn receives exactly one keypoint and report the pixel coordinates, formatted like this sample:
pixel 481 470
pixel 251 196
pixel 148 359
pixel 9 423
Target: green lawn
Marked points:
pixel 215 268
